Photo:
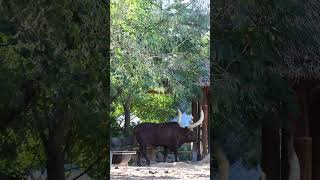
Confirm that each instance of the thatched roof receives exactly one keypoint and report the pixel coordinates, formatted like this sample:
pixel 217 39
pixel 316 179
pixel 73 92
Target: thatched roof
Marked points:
pixel 301 59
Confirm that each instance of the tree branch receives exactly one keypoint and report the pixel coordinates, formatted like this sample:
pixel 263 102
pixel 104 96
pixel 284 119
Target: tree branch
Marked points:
pixel 89 167
pixel 113 98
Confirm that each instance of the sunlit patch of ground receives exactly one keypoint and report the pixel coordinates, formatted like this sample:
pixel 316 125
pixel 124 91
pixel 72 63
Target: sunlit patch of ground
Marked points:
pixel 176 170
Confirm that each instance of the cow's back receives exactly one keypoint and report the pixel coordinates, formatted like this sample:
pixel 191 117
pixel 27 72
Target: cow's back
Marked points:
pixel 162 134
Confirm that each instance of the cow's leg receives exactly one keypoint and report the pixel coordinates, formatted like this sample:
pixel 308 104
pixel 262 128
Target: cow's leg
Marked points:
pixel 144 153
pixel 165 154
pixel 139 156
pixel 176 155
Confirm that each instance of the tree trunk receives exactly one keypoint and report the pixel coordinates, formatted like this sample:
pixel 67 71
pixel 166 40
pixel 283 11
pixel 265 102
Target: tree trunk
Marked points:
pixel 126 107
pixel 294 166
pixel 53 145
pixel 223 162
pixel 55 161
pixel 55 153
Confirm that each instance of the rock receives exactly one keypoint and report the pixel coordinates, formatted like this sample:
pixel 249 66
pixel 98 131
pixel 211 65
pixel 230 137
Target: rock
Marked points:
pixel 170 158
pixel 115 142
pixel 159 157
pixel 151 153
pixel 120 143
pixel 205 160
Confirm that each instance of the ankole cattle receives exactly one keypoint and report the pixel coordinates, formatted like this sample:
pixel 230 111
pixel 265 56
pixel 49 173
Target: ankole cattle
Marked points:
pixel 170 135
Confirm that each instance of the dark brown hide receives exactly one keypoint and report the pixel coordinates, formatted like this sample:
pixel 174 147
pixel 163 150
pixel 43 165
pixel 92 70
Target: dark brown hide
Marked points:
pixel 169 135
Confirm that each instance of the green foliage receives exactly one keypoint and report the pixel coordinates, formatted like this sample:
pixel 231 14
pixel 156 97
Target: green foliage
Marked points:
pixel 54 69
pixel 155 108
pixel 149 108
pixel 157 45
pixel 18 159
pixel 154 47
pixel 247 92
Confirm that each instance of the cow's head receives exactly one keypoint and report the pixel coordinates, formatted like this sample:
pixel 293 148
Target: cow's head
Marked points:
pixel 187 132
pixel 188 135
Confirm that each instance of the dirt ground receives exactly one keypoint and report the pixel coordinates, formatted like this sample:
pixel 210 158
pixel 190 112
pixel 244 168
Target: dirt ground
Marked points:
pixel 176 170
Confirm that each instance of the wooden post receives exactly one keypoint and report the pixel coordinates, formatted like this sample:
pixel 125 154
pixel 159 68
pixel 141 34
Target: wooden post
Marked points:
pixel 209 120
pixel 303 141
pixel 205 121
pixel 314 113
pixel 194 145
pixel 284 153
pixel 198 134
pixel 303 146
pixel 271 164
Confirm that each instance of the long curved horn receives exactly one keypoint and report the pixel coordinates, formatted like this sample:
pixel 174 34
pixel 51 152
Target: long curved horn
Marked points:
pixel 191 126
pixel 191 119
pixel 179 118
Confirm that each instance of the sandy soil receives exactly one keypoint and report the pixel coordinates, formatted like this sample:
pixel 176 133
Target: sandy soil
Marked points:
pixel 176 170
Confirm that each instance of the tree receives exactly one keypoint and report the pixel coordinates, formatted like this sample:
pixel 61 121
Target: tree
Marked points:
pixel 155 46
pixel 248 93
pixel 129 74
pixel 54 61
